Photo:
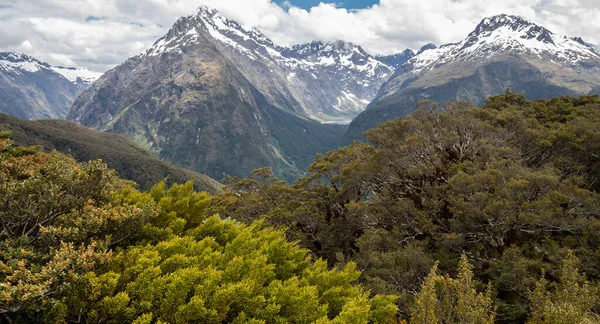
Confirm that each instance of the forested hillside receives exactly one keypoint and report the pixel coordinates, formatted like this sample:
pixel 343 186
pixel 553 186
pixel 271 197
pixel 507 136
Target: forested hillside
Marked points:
pixel 456 214
pixel 131 161
pixel 513 184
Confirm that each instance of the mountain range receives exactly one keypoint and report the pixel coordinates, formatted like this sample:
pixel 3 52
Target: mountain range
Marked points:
pixel 31 89
pixel 322 81
pixel 201 100
pixel 503 51
pixel 218 98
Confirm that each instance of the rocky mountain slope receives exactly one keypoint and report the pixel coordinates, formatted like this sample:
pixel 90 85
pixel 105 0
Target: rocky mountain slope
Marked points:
pixel 31 89
pixel 502 52
pixel 191 102
pixel 129 160
pixel 322 81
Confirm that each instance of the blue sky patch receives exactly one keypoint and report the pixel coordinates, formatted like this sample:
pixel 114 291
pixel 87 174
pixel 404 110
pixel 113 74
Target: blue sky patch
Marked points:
pixel 93 18
pixel 348 4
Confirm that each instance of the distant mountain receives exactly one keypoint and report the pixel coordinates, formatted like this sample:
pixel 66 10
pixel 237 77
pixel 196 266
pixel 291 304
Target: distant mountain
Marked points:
pixel 203 101
pixel 78 76
pixel 502 52
pixel 129 160
pixel 396 60
pixel 31 89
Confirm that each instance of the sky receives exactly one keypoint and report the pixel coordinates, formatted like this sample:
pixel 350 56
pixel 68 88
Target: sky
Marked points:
pixel 100 34
pixel 348 4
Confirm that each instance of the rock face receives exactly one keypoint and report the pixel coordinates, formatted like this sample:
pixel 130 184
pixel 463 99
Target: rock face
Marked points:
pixel 202 101
pixel 31 89
pixel 502 52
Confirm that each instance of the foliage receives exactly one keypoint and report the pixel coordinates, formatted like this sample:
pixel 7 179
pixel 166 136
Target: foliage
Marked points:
pixel 514 184
pixel 57 221
pixel 446 300
pixel 571 301
pixel 224 272
pixel 180 209
pixel 81 245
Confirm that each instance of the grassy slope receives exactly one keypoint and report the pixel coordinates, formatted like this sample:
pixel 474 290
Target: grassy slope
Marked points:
pixel 128 159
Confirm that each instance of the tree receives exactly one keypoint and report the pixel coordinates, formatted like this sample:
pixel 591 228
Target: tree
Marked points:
pixel 513 183
pixel 57 222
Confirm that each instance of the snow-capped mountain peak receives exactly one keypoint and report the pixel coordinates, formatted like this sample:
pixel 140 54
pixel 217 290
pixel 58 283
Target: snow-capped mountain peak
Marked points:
pixel 207 20
pixel 502 34
pixel 522 27
pixel 20 63
pixel 520 33
pixel 254 43
pixel 77 75
pixel 294 71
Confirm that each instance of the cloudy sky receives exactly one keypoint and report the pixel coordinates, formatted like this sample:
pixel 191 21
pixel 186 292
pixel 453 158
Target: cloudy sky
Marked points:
pixel 99 34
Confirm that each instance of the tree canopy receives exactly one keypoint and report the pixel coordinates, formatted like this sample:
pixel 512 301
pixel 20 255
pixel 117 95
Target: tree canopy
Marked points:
pixel 455 214
pixel 513 184
pixel 80 245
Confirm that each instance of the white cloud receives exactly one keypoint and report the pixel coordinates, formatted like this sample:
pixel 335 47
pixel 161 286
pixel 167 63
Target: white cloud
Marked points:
pixel 57 30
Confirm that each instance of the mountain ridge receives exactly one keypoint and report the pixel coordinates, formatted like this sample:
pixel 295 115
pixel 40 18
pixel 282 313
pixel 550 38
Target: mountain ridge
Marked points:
pixel 32 89
pixel 129 160
pixel 503 51
pixel 21 63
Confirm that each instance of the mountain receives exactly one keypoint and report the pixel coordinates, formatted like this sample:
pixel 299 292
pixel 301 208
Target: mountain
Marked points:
pixel 396 60
pixel 202 102
pixel 322 81
pixel 32 89
pixel 129 160
pixel 502 52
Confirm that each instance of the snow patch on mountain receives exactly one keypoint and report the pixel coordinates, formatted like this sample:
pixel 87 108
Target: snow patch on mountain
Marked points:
pixel 500 34
pixel 76 75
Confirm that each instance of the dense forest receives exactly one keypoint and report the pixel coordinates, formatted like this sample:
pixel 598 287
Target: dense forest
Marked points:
pixel 455 214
